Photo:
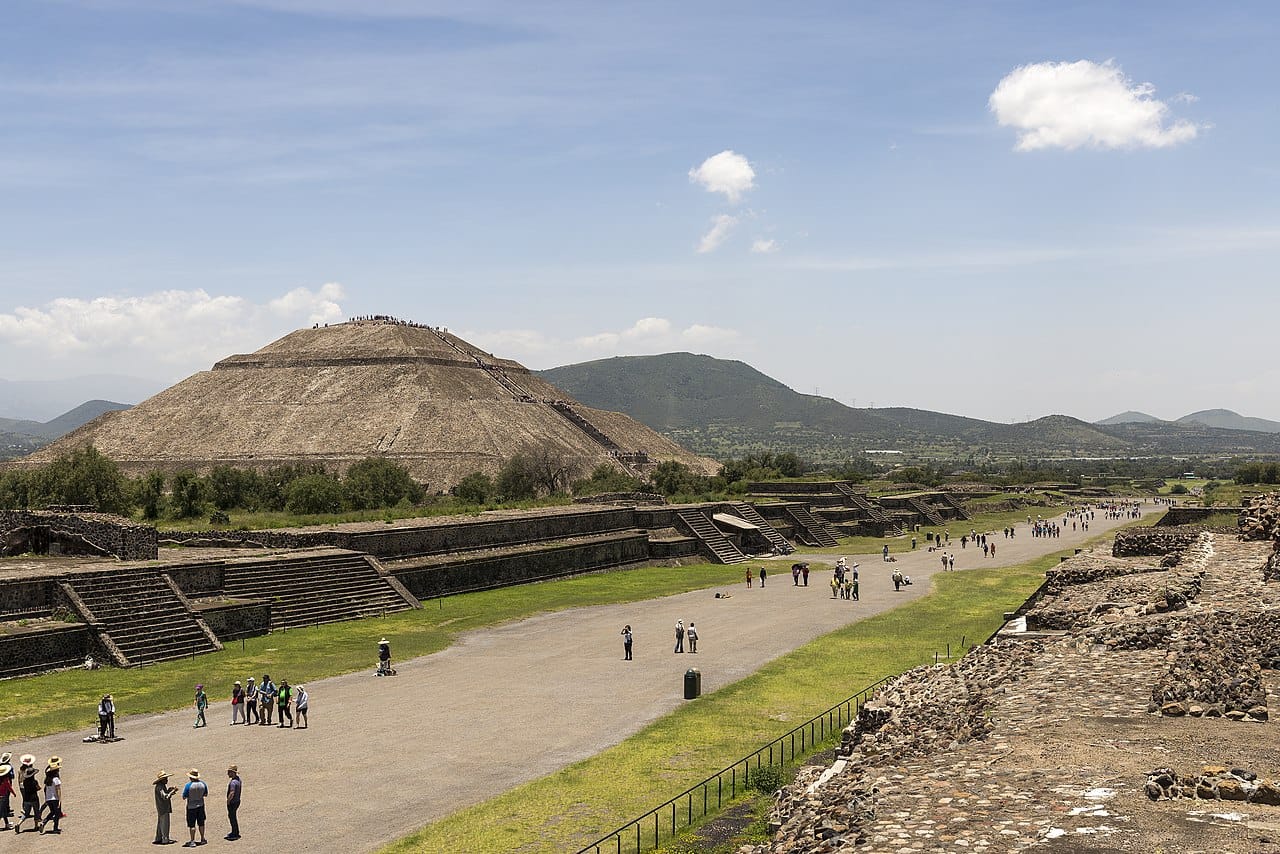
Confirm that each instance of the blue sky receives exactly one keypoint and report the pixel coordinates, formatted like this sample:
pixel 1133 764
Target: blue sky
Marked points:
pixel 976 208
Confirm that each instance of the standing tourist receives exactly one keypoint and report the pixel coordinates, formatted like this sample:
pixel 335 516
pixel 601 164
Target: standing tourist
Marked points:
pixel 749 578
pixel 795 575
pixel 237 702
pixel 626 636
pixel 164 808
pixel 251 702
pixel 693 637
pixel 884 553
pixel 106 717
pixel 301 703
pixel 194 794
pixel 266 700
pixel 897 580
pixel 284 695
pixel 763 576
pixel 804 573
pixel 679 636
pixel 52 795
pixel 233 803
pixel 202 703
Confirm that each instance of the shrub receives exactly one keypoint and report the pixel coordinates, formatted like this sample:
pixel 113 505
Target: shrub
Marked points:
pixel 766 779
pixel 475 488
pixel 378 482
pixel 314 493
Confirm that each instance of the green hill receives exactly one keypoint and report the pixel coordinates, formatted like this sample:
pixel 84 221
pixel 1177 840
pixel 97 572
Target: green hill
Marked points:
pixel 1228 420
pixel 725 408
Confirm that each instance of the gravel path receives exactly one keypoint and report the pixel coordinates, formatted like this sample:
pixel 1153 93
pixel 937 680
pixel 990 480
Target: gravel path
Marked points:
pixel 437 738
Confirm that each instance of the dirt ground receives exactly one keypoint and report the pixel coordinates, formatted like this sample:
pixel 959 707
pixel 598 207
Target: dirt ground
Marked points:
pixel 386 756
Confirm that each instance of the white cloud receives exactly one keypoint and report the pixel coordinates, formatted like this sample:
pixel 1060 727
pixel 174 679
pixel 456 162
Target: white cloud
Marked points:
pixel 646 336
pixel 174 331
pixel 721 226
pixel 1073 104
pixel 727 172
pixel 1185 98
pixel 761 246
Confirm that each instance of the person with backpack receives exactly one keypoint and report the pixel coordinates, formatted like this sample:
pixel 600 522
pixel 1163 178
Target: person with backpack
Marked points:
pixel 266 699
pixel 194 794
pixel 692 635
pixel 301 703
pixel 283 696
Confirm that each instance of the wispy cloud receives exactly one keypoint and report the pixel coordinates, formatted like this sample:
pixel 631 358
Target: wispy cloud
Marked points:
pixel 722 226
pixel 647 335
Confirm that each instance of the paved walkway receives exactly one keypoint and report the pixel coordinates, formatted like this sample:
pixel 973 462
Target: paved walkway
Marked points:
pixel 386 756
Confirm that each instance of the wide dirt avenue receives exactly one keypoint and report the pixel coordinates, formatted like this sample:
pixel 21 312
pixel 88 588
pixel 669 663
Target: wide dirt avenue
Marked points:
pixel 503 706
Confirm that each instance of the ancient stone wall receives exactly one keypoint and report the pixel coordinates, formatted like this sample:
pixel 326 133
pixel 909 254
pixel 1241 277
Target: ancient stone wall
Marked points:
pixel 502 570
pixel 26 597
pixel 1152 542
pixel 235 620
pixel 45 648
pixel 197 579
pixel 85 533
pixel 1176 516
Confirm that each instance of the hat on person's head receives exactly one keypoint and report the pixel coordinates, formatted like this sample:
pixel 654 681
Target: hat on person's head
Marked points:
pixel 106 696
pixel 237 681
pixel 233 769
pixel 27 759
pixel 55 762
pixel 193 774
pixel 30 772
pixel 5 769
pixel 384 640
pixel 4 757
pixel 200 687
pixel 161 776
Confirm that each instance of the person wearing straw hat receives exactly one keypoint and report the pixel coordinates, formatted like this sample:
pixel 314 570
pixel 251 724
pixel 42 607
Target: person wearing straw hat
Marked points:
pixel 384 657
pixel 237 700
pixel 164 808
pixel 301 703
pixel 6 790
pixel 30 788
pixel 194 794
pixel 52 795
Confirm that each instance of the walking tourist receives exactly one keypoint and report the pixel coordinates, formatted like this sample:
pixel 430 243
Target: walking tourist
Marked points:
pixel 251 702
pixel 884 553
pixel 52 796
pixel 30 789
pixel 626 633
pixel 202 703
pixel 763 575
pixel 951 563
pixel 164 808
pixel 804 573
pixel 284 695
pixel 693 637
pixel 301 703
pixel 679 636
pixel 237 703
pixel 897 580
pixel 6 792
pixel 106 717
pixel 795 575
pixel 233 802
pixel 194 794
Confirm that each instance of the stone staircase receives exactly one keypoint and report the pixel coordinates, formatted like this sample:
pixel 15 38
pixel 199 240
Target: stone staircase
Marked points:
pixel 811 530
pixel 954 505
pixel 710 537
pixel 928 511
pixel 142 614
pixel 322 588
pixel 631 461
pixel 856 499
pixel 752 515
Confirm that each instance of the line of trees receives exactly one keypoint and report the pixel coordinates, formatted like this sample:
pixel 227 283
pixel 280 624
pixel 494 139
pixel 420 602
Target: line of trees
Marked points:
pixel 1258 473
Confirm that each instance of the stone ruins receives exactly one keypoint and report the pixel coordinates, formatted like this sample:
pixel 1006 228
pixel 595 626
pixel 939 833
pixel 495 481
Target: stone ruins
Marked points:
pixel 1125 707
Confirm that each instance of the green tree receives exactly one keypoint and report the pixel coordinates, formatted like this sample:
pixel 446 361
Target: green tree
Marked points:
pixel 475 488
pixel 606 477
pixel 675 478
pixel 378 482
pixel 187 494
pixel 228 487
pixel 314 493
pixel 14 490
pixel 518 479
pixel 148 492
pixel 81 476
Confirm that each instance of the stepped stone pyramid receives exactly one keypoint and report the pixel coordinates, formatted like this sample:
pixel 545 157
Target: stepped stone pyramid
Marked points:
pixel 340 393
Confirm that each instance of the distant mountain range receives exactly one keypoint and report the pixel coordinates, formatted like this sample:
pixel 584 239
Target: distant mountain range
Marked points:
pixel 727 408
pixel 19 437
pixel 42 400
pixel 1222 418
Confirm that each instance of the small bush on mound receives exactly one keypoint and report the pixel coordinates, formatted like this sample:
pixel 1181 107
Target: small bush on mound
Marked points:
pixel 766 779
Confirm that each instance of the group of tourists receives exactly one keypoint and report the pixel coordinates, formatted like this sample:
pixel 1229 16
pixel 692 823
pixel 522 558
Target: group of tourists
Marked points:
pixel 27 782
pixel 844 581
pixel 682 634
pixel 254 703
pixel 764 574
pixel 800 571
pixel 194 794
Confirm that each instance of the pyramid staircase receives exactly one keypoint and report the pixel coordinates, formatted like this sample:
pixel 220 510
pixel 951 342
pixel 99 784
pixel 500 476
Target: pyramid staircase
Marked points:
pixel 709 536
pixel 142 614
pixel 875 512
pixel 925 509
pixel 752 515
pixel 954 505
pixel 811 530
pixel 321 588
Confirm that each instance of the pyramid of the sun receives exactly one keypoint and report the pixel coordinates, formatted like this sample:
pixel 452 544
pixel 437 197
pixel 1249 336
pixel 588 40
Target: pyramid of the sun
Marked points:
pixel 338 394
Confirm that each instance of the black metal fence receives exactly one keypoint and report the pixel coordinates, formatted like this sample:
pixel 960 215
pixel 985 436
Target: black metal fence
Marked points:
pixel 696 802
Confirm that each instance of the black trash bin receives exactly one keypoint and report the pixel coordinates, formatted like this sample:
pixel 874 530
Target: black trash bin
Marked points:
pixel 692 683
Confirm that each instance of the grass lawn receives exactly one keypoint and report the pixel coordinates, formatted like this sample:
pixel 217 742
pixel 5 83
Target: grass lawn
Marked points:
pixel 38 705
pixel 595 796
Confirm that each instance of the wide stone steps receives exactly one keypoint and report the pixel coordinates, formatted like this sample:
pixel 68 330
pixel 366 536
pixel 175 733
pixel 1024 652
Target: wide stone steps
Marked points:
pixel 710 536
pixel 318 589
pixel 752 515
pixel 926 510
pixel 812 530
pixel 141 615
pixel 856 499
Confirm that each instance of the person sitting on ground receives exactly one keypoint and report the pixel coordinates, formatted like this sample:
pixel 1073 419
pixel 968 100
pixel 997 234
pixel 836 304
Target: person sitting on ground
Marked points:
pixel 384 656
